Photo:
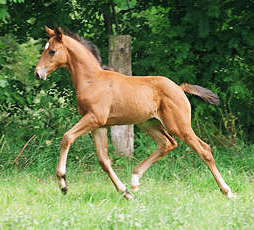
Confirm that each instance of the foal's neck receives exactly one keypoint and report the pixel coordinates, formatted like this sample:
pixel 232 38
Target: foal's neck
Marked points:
pixel 82 64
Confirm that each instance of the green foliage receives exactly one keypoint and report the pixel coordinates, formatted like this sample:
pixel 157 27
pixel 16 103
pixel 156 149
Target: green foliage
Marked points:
pixel 29 108
pixel 31 138
pixel 16 64
pixel 4 8
pixel 18 60
pixel 203 43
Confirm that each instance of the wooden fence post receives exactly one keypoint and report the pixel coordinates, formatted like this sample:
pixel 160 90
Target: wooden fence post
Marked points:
pixel 120 59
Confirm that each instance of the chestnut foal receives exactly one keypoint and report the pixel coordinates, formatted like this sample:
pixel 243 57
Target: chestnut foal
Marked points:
pixel 105 98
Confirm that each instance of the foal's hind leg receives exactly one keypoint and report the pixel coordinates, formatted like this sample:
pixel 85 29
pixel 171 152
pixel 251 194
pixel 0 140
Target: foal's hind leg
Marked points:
pixel 204 151
pixel 101 143
pixel 165 143
pixel 180 126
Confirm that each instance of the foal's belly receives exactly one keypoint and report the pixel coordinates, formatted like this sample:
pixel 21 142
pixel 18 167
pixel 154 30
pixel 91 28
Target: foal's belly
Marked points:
pixel 131 114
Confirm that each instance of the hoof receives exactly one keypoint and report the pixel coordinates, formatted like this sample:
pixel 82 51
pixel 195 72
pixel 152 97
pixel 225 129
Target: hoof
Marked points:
pixel 64 190
pixel 127 195
pixel 231 196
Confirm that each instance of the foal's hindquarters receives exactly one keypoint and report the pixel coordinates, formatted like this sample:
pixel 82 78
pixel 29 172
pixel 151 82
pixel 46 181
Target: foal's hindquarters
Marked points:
pixel 175 116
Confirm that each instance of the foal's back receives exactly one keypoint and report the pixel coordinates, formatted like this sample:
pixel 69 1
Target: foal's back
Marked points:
pixel 142 98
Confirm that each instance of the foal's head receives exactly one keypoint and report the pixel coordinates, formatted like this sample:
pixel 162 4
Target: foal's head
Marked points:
pixel 53 56
pixel 55 53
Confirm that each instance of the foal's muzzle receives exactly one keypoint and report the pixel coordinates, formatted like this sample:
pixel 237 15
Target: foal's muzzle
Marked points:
pixel 40 74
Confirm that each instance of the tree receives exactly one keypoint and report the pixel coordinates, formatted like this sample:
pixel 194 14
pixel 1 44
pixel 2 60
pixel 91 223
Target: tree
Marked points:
pixel 120 59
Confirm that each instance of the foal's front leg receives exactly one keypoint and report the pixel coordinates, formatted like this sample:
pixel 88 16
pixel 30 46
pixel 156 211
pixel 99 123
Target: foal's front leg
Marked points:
pixel 87 123
pixel 101 143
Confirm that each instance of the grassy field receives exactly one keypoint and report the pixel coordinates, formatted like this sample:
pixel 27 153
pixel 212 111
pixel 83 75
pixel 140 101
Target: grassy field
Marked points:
pixel 177 193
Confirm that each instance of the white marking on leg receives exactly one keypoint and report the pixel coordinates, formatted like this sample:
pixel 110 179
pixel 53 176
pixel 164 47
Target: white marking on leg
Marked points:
pixel 135 182
pixel 230 195
pixel 227 190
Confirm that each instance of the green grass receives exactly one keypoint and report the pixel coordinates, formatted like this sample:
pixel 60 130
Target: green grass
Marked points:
pixel 176 193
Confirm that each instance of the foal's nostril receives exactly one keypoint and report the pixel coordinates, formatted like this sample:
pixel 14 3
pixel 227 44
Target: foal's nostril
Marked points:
pixel 37 76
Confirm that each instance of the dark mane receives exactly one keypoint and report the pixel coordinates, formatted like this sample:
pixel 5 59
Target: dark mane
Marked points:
pixel 88 44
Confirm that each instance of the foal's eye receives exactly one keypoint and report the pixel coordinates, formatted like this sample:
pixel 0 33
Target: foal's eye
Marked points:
pixel 52 52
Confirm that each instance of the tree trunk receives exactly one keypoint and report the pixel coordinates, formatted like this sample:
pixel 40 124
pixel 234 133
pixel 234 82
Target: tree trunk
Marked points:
pixel 120 59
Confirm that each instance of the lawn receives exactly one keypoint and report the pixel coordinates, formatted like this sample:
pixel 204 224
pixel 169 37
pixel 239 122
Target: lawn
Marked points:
pixel 177 193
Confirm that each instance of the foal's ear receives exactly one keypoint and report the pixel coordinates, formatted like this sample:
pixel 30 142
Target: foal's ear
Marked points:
pixel 49 31
pixel 58 33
